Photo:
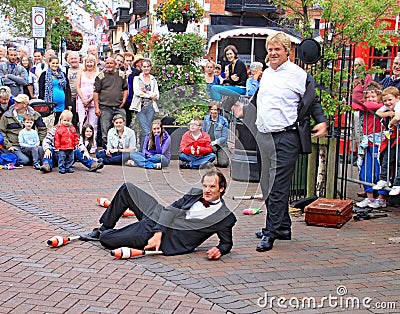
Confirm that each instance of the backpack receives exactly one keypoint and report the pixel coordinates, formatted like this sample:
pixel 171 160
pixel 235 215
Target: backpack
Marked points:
pixel 8 158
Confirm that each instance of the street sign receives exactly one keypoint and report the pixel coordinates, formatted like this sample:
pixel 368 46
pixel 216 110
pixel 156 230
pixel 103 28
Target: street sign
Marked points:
pixel 104 38
pixel 38 22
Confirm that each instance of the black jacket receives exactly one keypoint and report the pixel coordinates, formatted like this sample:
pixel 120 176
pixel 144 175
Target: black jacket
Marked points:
pixel 183 235
pixel 309 106
pixel 240 70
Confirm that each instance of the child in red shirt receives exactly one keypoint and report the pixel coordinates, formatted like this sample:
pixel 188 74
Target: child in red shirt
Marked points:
pixel 368 149
pixel 195 147
pixel 65 140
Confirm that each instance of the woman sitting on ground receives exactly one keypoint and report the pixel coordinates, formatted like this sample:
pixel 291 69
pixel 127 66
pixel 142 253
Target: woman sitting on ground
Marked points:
pixel 156 152
pixel 121 141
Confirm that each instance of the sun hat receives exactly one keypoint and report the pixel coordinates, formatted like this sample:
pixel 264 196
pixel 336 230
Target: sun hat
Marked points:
pixel 137 58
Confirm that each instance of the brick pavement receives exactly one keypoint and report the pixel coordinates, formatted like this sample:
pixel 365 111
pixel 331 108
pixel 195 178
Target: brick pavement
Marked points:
pixel 83 278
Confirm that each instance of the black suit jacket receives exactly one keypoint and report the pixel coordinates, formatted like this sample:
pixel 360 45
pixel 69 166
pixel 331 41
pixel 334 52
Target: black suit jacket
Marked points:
pixel 183 235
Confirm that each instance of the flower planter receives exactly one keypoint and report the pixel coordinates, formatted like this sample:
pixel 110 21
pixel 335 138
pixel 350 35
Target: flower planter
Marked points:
pixel 177 27
pixel 176 132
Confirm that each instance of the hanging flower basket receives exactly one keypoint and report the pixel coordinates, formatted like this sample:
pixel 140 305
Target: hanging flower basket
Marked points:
pixel 74 41
pixel 177 27
pixel 177 11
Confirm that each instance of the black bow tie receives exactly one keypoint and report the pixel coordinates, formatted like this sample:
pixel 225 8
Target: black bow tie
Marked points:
pixel 207 204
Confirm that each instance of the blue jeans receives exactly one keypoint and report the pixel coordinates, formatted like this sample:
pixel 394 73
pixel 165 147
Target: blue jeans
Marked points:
pixel 149 163
pixel 35 152
pixel 197 161
pixel 218 90
pixel 370 161
pixel 83 159
pixel 113 159
pixel 23 159
pixel 65 159
pixel 145 118
pixel 53 160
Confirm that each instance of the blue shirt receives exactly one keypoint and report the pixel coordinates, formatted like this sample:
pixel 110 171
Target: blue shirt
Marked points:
pixel 28 138
pixel 58 96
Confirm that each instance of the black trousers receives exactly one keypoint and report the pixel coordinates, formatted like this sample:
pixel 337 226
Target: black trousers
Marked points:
pixel 135 235
pixel 222 156
pixel 279 153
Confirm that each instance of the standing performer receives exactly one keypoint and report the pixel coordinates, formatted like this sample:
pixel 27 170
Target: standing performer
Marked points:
pixel 286 98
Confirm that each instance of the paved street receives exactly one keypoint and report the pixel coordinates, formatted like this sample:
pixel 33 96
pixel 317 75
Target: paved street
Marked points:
pixel 357 263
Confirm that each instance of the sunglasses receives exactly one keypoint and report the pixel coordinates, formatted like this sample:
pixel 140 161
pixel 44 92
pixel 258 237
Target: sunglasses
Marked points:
pixel 378 91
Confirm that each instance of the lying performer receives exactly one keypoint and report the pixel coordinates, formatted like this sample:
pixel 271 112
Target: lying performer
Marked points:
pixel 176 229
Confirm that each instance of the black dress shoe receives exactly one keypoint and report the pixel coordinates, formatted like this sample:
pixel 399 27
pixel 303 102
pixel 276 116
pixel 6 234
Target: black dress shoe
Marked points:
pixel 282 235
pixel 92 236
pixel 266 243
pixel 259 234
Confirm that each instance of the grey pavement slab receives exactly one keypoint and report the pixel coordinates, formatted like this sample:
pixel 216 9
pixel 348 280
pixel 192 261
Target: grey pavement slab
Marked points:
pixel 358 261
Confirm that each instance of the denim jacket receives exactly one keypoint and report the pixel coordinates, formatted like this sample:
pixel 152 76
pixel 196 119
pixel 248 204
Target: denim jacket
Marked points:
pixel 221 129
pixel 128 139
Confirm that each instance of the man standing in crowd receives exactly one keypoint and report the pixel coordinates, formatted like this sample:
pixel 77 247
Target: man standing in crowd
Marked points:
pixel 119 60
pixel 92 50
pixel 286 98
pixel 110 94
pixel 38 63
pixel 72 70
pixel 128 70
pixel 49 53
pixel 14 75
pixel 393 80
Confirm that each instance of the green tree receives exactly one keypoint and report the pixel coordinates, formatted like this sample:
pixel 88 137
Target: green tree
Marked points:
pixel 20 12
pixel 347 22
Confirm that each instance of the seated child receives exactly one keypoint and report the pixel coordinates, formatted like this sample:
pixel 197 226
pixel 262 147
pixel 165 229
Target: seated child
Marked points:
pixel 86 143
pixel 195 147
pixel 28 139
pixel 391 99
pixel 156 152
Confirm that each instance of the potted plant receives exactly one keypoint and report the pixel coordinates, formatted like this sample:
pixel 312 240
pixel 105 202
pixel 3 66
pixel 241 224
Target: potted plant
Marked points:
pixel 177 13
pixel 178 48
pixel 145 40
pixel 74 41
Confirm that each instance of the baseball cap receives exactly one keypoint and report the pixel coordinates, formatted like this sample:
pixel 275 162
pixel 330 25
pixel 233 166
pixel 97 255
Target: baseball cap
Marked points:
pixel 22 98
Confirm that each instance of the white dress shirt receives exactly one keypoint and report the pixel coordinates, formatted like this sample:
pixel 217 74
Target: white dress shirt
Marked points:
pixel 199 211
pixel 279 96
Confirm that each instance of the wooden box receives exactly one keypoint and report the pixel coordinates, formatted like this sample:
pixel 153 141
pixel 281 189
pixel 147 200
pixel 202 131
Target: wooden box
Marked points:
pixel 332 213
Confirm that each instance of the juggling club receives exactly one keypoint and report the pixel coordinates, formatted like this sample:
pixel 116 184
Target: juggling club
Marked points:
pixel 249 197
pixel 126 252
pixel 102 201
pixel 128 213
pixel 251 211
pixel 59 240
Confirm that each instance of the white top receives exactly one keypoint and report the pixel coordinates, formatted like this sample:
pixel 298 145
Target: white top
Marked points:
pixel 199 211
pixel 279 96
pixel 397 107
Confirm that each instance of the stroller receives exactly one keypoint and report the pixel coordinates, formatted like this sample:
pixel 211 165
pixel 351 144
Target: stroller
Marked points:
pixel 45 109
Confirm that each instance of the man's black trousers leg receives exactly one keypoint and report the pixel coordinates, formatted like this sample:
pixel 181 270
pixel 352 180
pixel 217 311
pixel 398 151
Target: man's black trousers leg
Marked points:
pixel 279 155
pixel 134 198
